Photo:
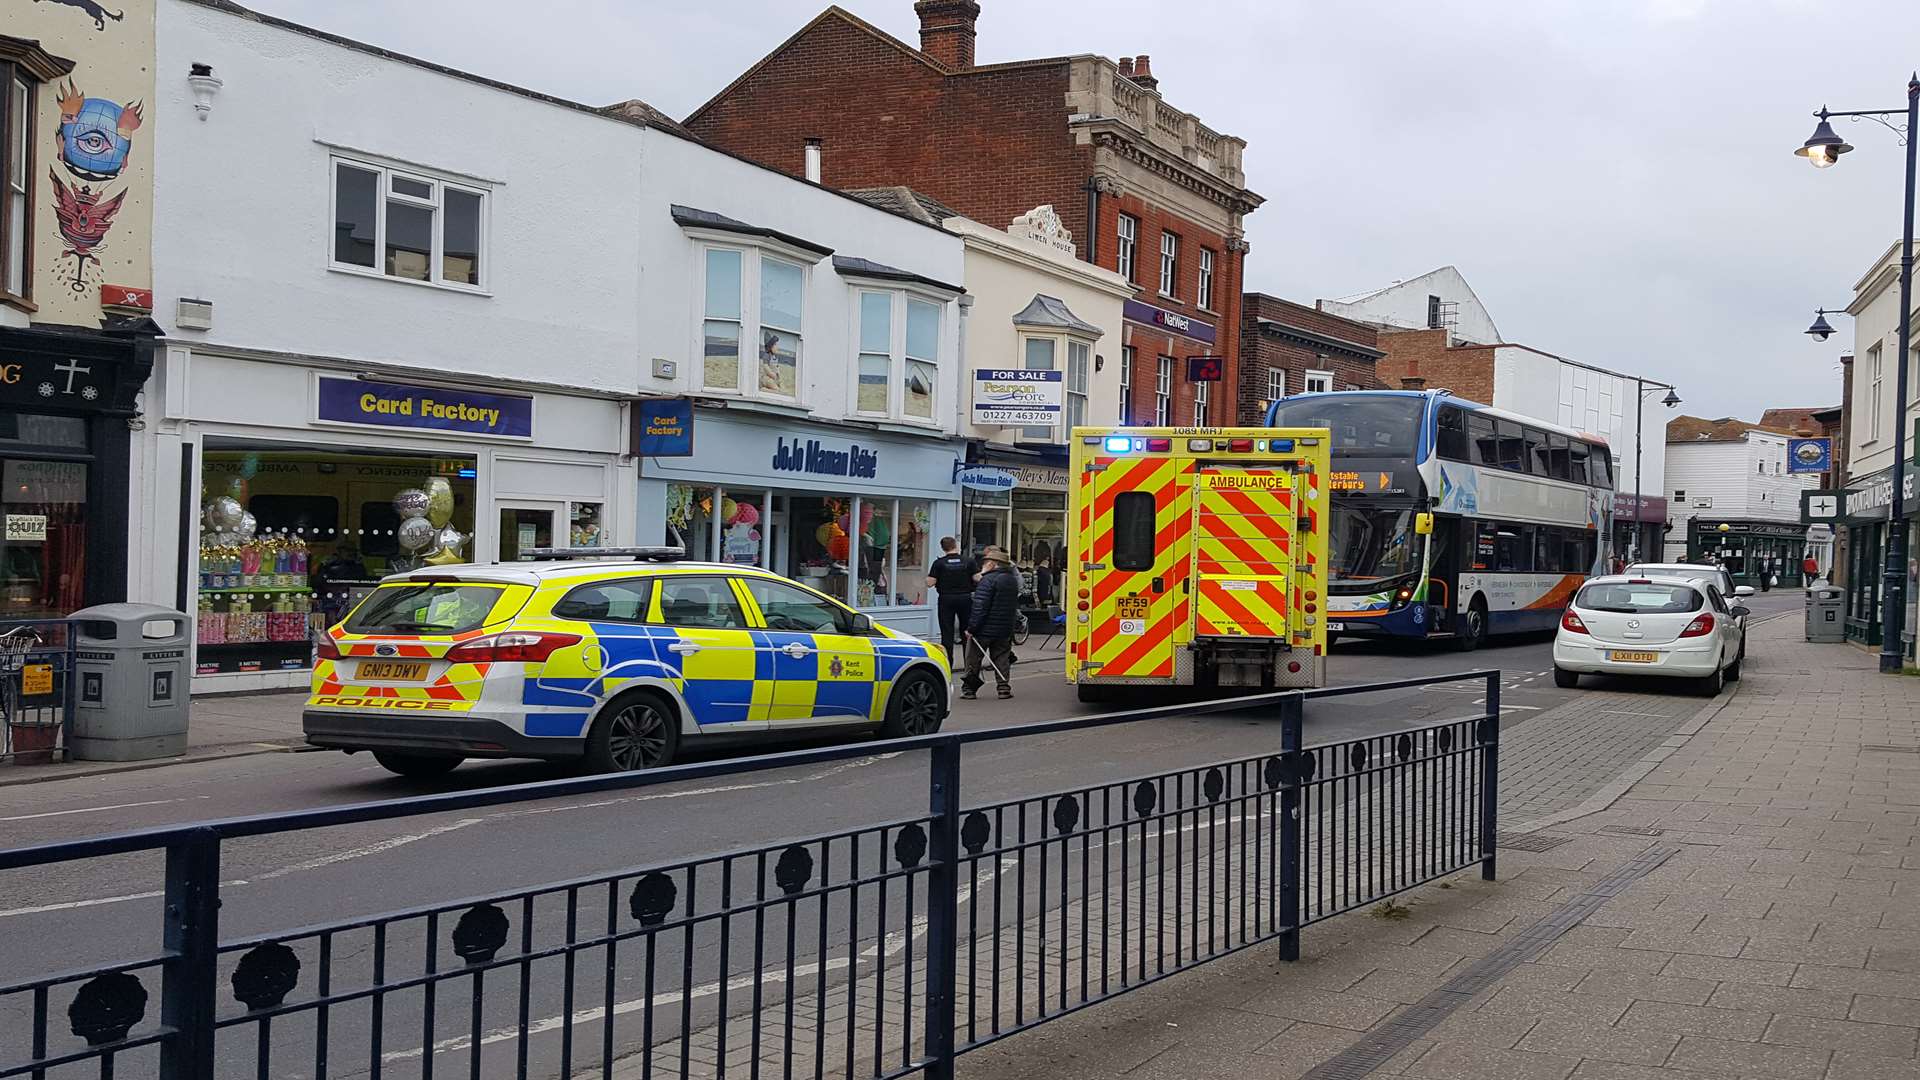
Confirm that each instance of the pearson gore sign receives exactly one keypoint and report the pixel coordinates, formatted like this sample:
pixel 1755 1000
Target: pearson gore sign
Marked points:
pixel 366 403
pixel 1013 397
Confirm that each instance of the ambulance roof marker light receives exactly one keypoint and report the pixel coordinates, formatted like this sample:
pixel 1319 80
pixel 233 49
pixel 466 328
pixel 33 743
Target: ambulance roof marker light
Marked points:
pixel 1160 446
pixel 1118 444
pixel 1199 446
pixel 1240 446
pixel 1090 440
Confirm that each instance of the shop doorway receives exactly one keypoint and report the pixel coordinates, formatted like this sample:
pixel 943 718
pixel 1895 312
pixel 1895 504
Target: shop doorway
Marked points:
pixel 525 526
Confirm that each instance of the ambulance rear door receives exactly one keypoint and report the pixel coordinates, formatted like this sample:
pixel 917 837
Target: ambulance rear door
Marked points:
pixel 1135 558
pixel 1243 525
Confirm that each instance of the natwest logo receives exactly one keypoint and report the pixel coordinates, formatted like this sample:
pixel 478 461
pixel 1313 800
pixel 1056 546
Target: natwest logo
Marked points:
pixel 1172 320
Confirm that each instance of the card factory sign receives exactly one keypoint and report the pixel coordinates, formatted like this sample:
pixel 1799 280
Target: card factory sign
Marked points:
pixel 1011 398
pixel 367 403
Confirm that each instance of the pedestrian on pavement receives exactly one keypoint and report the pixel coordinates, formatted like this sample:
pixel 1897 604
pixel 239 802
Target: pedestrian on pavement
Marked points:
pixel 952 577
pixel 1810 569
pixel 996 601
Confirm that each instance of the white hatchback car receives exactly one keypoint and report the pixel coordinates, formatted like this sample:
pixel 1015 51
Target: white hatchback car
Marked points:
pixel 1673 626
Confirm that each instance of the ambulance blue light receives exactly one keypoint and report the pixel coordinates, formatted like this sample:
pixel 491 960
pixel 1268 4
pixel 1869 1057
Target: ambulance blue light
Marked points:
pixel 1281 446
pixel 1118 444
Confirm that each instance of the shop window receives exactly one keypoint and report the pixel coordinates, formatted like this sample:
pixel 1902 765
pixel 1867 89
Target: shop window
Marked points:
pixel 585 525
pixel 292 537
pixel 408 225
pixel 43 551
pixel 874 548
pixel 914 549
pixel 690 521
pixel 701 602
pixel 523 529
pixel 820 542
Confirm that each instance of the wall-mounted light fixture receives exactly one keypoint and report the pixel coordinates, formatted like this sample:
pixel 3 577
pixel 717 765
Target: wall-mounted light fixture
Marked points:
pixel 205 86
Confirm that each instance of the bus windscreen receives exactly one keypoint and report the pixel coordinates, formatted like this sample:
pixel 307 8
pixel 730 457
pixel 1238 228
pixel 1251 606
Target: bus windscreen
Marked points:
pixel 1372 543
pixel 1361 423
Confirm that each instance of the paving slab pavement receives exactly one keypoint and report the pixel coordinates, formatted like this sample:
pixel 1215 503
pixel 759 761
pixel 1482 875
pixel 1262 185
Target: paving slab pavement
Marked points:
pixel 1747 905
pixel 221 726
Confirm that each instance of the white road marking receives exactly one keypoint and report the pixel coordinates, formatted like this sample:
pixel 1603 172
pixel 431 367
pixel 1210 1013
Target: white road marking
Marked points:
pixel 97 901
pixel 101 809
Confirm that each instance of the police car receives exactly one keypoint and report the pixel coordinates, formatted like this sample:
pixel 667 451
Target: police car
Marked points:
pixel 620 662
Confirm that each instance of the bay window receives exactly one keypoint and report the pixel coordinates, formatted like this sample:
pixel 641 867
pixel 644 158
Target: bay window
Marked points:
pixel 744 282
pixel 1038 354
pixel 1126 385
pixel 909 359
pixel 1077 352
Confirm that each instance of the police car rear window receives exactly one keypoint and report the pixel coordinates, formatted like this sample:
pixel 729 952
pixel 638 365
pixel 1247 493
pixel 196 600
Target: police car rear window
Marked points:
pixel 425 608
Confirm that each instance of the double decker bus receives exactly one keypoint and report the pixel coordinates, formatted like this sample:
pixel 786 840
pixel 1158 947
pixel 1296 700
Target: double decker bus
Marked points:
pixel 1452 519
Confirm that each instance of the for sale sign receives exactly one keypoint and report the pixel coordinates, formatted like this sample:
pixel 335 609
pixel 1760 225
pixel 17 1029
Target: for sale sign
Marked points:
pixel 1017 397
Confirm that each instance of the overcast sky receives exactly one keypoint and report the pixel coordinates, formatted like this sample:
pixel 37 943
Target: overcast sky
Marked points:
pixel 1614 177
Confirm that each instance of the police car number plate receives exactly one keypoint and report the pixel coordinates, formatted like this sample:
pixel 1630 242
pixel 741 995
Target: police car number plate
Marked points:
pixel 393 671
pixel 1133 607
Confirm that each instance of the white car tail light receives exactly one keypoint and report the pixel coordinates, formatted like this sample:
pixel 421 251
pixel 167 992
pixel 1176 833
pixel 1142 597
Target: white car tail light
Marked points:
pixel 1571 623
pixel 1701 626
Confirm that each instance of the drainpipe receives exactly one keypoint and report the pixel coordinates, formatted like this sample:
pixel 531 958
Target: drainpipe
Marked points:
pixel 1093 220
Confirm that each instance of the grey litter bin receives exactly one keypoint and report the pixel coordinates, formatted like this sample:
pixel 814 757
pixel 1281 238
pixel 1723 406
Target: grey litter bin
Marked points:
pixel 1826 614
pixel 131 661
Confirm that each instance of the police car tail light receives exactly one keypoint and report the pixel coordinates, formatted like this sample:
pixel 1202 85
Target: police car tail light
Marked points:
pixel 328 649
pixel 512 647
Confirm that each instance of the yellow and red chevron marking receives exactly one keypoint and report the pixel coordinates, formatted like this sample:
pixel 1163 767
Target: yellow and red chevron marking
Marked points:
pixel 1148 654
pixel 1233 609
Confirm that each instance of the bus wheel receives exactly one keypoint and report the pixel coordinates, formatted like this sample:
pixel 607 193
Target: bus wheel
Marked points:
pixel 1473 626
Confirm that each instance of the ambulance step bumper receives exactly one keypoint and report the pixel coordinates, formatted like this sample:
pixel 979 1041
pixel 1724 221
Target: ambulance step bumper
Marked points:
pixel 467 737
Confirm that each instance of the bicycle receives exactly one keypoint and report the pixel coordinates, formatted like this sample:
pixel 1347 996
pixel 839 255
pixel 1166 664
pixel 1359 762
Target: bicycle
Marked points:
pixel 15 646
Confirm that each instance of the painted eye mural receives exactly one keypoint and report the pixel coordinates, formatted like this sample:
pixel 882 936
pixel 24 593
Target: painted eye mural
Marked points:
pixel 95 134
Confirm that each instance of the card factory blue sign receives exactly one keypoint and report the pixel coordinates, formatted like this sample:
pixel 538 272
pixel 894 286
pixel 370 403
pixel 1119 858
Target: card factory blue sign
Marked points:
pixel 663 427
pixel 428 408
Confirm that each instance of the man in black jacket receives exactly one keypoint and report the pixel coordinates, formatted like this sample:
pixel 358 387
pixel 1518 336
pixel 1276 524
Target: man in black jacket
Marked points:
pixel 951 576
pixel 996 603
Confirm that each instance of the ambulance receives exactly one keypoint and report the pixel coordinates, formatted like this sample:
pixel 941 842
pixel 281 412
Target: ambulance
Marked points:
pixel 1199 558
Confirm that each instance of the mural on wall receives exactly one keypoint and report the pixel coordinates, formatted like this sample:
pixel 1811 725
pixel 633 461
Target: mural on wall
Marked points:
pixel 84 220
pixel 95 134
pixel 99 12
pixel 95 137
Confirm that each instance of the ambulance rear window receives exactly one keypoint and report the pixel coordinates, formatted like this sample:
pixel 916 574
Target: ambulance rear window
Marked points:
pixel 1133 528
pixel 425 608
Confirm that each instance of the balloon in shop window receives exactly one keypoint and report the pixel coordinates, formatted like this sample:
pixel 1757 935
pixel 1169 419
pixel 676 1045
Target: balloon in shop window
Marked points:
pixel 747 514
pixel 826 534
pixel 728 508
pixel 878 533
pixel 410 504
pixel 447 547
pixel 838 547
pixel 416 533
pixel 439 502
pixel 248 525
pixel 237 487
pixel 866 516
pixel 226 513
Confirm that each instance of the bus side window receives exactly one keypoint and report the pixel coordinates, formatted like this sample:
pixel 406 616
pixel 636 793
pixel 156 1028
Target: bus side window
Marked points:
pixel 1577 456
pixel 1537 452
pixel 1515 545
pixel 1453 434
pixel 1513 447
pixel 1601 468
pixel 1485 448
pixel 1557 452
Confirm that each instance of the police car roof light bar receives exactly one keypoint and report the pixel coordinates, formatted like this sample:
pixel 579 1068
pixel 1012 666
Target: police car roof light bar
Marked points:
pixel 656 553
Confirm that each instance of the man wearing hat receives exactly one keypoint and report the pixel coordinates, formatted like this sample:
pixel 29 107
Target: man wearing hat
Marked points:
pixel 996 602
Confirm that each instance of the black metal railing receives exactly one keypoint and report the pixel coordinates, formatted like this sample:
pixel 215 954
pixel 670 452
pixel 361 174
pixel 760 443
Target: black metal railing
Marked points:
pixel 883 950
pixel 37 690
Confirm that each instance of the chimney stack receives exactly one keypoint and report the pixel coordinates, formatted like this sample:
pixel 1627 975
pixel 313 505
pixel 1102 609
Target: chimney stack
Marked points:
pixel 946 30
pixel 1126 66
pixel 813 158
pixel 1413 382
pixel 1143 73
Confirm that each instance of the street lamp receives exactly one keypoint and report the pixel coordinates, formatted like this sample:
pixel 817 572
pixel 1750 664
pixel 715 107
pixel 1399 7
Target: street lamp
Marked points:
pixel 1639 421
pixel 1821 330
pixel 1823 148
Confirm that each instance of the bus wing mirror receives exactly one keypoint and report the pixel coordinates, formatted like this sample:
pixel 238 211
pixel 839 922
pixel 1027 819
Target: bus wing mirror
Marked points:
pixel 1423 523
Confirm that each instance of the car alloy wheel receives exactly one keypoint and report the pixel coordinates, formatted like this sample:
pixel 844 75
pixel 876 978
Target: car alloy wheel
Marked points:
pixel 637 737
pixel 920 707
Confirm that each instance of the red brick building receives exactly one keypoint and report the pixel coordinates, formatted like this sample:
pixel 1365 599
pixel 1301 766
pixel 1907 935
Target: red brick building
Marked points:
pixel 1146 189
pixel 1288 348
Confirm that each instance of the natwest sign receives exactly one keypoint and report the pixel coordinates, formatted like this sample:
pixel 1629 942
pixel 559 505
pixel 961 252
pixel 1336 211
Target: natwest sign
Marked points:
pixel 1184 325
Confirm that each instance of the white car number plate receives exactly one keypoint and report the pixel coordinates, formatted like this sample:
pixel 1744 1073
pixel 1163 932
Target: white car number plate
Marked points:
pixel 1336 627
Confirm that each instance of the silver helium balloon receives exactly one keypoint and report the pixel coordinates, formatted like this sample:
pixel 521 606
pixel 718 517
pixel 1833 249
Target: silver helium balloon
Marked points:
pixel 416 533
pixel 411 503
